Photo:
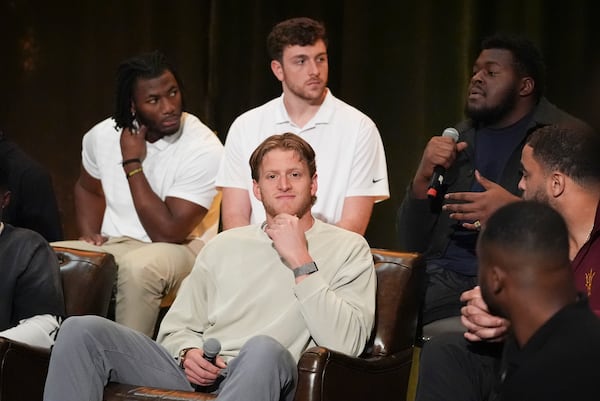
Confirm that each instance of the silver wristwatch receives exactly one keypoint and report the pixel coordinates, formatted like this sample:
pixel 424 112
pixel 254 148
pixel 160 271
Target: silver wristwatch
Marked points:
pixel 307 268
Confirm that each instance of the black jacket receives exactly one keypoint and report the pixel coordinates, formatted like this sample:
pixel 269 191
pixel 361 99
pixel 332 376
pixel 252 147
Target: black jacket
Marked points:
pixel 421 224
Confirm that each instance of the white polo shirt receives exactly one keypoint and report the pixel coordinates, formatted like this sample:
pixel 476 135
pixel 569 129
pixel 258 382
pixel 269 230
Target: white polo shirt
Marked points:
pixel 349 154
pixel 183 165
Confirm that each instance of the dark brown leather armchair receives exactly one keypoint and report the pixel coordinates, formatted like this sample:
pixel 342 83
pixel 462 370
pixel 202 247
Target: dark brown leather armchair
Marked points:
pixel 381 373
pixel 87 280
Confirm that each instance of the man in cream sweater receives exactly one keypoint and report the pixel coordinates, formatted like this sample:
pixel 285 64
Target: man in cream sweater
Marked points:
pixel 266 292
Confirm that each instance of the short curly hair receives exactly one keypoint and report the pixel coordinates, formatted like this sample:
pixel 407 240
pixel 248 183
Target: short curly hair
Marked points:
pixel 571 151
pixel 528 59
pixel 296 31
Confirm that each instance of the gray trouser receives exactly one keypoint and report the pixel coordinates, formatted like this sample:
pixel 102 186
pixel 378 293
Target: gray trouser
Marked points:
pixel 91 351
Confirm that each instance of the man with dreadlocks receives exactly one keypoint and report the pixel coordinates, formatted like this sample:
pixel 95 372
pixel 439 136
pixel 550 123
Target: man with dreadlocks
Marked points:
pixel 146 192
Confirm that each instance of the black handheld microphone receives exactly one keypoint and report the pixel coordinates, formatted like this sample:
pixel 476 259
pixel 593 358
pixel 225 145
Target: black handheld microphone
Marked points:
pixel 438 172
pixel 211 349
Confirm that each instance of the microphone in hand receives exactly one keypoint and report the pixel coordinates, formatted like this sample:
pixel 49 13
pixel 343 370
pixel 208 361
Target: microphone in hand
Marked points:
pixel 437 179
pixel 211 349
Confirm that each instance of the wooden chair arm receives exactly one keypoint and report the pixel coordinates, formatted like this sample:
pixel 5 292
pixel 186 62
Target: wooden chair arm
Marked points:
pixel 126 392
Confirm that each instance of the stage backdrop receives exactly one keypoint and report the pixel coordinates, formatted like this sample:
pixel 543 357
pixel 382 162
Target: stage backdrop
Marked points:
pixel 404 63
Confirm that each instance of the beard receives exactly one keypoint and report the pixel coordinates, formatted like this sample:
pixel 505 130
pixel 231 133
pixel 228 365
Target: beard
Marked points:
pixel 155 127
pixel 490 115
pixel 303 208
pixel 312 96
pixel 538 195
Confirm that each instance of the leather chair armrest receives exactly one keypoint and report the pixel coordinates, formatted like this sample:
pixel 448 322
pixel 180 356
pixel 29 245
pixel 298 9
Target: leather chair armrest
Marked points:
pixel 24 370
pixel 325 375
pixel 88 279
pixel 126 392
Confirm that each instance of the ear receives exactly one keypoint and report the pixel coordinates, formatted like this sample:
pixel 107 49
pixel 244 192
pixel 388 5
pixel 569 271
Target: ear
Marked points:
pixel 557 184
pixel 256 190
pixel 314 185
pixel 497 279
pixel 527 86
pixel 277 69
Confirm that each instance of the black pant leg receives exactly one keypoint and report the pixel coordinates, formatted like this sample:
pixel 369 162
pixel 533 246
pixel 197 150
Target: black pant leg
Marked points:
pixel 454 369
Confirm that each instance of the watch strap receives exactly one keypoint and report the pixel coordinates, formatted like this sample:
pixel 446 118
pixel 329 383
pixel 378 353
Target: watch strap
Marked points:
pixel 307 268
pixel 182 355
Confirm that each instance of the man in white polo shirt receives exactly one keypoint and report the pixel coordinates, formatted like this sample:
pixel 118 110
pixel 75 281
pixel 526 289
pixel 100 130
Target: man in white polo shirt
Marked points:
pixel 347 143
pixel 146 192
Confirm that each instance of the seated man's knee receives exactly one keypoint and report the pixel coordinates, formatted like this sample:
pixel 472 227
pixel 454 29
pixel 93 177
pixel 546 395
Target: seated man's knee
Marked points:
pixel 264 345
pixel 156 263
pixel 82 323
pixel 269 351
pixel 75 328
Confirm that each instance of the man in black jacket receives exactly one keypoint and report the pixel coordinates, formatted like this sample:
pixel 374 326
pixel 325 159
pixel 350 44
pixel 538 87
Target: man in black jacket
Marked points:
pixel 504 105
pixel 30 290
pixel 33 203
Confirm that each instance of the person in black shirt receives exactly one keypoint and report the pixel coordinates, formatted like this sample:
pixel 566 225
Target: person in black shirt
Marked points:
pixel 31 294
pixel 33 204
pixel 525 276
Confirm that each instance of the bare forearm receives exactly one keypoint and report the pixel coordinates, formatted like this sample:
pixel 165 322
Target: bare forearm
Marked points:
pixel 233 221
pixel 161 223
pixel 358 226
pixel 235 208
pixel 356 213
pixel 89 209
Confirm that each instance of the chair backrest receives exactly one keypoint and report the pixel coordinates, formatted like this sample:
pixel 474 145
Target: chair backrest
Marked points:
pixel 87 279
pixel 399 279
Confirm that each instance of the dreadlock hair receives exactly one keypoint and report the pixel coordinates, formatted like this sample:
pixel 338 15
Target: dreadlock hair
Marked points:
pixel 145 66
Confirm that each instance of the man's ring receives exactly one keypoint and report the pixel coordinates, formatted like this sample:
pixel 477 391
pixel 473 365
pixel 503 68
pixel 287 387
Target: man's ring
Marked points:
pixel 477 225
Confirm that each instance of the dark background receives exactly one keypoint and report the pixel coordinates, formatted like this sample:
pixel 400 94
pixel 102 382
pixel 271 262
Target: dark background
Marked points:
pixel 405 64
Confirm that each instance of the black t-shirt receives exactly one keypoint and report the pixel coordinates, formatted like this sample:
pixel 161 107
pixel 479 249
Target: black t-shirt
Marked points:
pixel 561 361
pixel 493 148
pixel 31 283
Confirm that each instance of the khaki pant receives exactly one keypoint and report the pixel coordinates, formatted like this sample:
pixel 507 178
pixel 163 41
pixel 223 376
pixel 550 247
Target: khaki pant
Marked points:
pixel 147 272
